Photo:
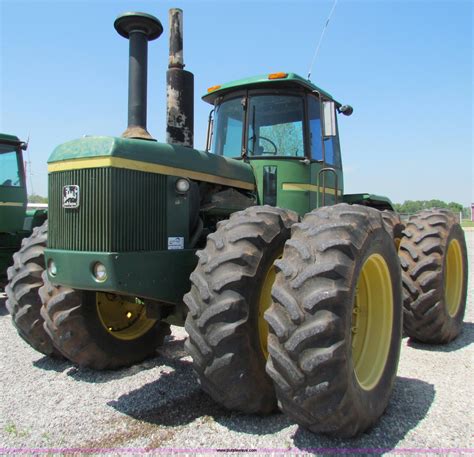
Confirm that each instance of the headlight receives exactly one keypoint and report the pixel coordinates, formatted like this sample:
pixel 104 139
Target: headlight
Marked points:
pixel 182 185
pixel 52 269
pixel 100 272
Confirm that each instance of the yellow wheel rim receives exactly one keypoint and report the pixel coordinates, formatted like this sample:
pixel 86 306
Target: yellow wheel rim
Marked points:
pixel 123 317
pixel 264 302
pixel 453 275
pixel 372 319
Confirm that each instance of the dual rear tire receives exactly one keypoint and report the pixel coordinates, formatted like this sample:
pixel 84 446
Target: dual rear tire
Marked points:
pixel 433 257
pixel 318 377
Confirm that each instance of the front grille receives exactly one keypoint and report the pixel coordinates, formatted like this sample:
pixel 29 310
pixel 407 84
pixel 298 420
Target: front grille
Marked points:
pixel 119 211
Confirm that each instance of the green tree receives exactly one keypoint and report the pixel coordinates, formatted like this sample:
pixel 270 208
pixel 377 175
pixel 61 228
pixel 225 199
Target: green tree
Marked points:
pixel 455 207
pixel 434 204
pixel 34 198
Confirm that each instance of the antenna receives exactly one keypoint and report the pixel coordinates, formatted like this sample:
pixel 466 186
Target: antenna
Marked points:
pixel 321 38
pixel 28 171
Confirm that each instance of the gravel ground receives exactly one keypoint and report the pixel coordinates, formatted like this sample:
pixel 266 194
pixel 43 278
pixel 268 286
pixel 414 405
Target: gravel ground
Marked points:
pixel 49 406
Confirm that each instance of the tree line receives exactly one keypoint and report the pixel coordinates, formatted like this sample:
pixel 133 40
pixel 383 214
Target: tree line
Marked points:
pixel 34 198
pixel 413 206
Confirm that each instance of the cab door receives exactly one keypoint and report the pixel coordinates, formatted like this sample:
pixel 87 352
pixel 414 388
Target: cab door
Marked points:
pixel 326 166
pixel 12 190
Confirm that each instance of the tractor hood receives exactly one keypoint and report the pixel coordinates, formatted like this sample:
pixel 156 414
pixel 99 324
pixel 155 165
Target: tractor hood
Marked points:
pixel 152 157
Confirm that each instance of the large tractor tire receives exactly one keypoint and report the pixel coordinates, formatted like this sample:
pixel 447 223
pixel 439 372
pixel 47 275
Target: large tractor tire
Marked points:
pixel 99 330
pixel 23 302
pixel 336 320
pixel 231 289
pixel 434 272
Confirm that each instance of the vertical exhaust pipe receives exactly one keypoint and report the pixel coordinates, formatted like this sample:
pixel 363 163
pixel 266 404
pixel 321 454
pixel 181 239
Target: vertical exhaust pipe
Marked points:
pixel 139 29
pixel 179 88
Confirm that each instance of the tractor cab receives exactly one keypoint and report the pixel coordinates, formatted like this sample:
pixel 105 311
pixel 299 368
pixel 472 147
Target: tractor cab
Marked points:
pixel 285 127
pixel 13 197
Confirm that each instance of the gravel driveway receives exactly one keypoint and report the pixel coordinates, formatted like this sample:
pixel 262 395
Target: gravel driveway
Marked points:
pixel 49 406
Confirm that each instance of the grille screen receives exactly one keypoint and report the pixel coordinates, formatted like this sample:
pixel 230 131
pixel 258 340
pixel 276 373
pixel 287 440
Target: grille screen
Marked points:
pixel 119 211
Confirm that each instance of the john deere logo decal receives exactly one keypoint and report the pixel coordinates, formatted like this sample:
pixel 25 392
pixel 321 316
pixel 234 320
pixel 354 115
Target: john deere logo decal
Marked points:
pixel 71 196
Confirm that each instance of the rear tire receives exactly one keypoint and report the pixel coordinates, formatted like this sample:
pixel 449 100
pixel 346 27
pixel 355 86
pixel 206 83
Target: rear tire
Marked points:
pixel 23 302
pixel 230 287
pixel 433 256
pixel 335 324
pixel 73 320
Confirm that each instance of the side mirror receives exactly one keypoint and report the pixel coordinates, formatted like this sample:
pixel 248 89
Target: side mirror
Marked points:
pixel 329 119
pixel 347 110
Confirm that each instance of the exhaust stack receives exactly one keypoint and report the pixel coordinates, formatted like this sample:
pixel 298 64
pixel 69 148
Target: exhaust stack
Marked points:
pixel 179 88
pixel 139 29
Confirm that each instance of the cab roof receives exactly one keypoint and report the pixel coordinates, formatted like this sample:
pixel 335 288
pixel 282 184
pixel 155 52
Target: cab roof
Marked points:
pixel 6 138
pixel 8 142
pixel 285 79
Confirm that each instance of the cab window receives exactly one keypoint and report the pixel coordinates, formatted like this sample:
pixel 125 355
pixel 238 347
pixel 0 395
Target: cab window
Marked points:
pixel 315 131
pixel 9 170
pixel 275 126
pixel 332 152
pixel 228 127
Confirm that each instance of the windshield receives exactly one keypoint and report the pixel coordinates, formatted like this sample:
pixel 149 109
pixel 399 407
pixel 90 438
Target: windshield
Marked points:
pixel 228 123
pixel 276 126
pixel 9 172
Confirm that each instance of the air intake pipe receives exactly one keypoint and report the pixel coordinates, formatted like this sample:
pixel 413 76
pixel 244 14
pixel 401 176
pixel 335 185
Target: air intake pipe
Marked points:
pixel 139 29
pixel 179 88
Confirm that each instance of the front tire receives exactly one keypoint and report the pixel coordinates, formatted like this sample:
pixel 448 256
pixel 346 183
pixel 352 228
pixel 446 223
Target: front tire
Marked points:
pixel 99 330
pixel 23 302
pixel 335 325
pixel 230 291
pixel 433 256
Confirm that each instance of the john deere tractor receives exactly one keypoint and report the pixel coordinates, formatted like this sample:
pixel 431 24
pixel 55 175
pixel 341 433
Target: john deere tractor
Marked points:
pixel 17 223
pixel 13 199
pixel 293 290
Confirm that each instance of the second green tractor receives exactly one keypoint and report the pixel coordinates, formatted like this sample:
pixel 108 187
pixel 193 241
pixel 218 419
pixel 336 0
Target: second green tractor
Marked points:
pixel 295 293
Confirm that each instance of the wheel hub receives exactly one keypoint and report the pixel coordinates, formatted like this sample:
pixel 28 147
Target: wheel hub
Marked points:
pixel 372 320
pixel 453 276
pixel 124 317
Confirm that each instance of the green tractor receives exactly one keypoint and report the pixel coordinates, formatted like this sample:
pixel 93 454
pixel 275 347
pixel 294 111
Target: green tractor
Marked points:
pixel 13 200
pixel 294 292
pixel 16 221
pixel 17 224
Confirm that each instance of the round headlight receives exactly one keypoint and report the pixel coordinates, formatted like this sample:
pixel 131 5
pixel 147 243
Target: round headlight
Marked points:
pixel 52 269
pixel 100 272
pixel 182 185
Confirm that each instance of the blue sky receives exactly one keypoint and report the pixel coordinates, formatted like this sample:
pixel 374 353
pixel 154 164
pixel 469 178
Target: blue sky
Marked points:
pixel 405 66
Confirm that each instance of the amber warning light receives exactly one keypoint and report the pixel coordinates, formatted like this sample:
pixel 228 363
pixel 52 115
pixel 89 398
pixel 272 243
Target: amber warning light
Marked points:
pixel 213 88
pixel 277 75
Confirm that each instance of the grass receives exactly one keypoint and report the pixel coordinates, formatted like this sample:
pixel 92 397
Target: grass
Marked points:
pixel 467 223
pixel 12 430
